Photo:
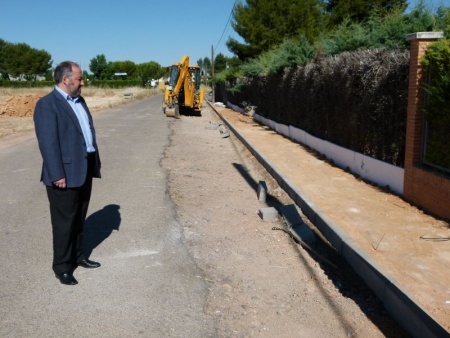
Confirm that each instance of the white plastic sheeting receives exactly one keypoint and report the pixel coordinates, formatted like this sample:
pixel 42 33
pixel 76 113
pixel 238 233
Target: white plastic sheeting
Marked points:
pixel 371 169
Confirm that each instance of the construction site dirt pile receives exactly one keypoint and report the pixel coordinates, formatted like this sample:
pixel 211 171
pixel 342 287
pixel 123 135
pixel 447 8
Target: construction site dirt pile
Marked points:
pixel 19 106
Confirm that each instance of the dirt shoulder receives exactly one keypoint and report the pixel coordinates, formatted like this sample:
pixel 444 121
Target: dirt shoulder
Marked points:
pixel 382 225
pixel 17 105
pixel 262 284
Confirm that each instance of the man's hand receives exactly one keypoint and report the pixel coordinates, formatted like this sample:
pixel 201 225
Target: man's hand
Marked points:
pixel 61 183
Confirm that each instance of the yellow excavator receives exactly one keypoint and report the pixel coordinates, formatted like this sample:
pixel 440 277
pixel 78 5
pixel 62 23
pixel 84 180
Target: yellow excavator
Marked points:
pixel 183 92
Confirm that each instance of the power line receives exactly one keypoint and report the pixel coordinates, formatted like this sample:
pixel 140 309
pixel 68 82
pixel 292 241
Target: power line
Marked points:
pixel 226 25
pixel 223 46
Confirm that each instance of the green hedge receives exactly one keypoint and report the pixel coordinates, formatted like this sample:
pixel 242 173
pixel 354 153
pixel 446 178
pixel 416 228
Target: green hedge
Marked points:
pixel 102 84
pixel 26 84
pixel 355 99
pixel 437 114
pixel 114 83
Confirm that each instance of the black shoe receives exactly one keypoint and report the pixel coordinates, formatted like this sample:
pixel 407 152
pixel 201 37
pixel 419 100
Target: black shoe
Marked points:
pixel 86 263
pixel 66 278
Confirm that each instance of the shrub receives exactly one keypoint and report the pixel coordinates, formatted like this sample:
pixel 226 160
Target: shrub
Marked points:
pixel 379 31
pixel 443 20
pixel 437 114
pixel 26 84
pixel 114 83
pixel 290 53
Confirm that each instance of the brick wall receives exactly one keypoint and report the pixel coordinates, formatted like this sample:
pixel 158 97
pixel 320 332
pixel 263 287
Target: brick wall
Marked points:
pixel 422 187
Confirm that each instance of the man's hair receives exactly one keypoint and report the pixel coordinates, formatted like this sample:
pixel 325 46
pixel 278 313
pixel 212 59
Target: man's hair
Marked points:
pixel 64 69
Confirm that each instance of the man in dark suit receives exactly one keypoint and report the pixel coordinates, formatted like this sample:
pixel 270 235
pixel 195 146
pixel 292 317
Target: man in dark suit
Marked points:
pixel 68 146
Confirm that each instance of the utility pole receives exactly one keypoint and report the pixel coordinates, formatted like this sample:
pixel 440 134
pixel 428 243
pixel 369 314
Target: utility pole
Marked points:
pixel 212 75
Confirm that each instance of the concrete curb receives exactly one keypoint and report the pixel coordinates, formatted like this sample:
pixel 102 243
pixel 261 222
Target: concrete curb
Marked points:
pixel 397 302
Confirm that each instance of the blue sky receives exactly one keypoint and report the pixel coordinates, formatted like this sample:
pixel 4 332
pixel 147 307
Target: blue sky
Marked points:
pixel 136 30
pixel 432 3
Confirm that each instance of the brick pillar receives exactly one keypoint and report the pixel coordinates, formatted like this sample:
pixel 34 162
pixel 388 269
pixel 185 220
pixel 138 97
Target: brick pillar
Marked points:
pixel 421 186
pixel 414 123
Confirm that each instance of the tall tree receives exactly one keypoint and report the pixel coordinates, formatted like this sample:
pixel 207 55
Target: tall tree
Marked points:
pixel 421 18
pixel 99 67
pixel 266 23
pixel 443 20
pixel 14 56
pixel 148 71
pixel 206 65
pixel 128 67
pixel 4 74
pixel 22 61
pixel 220 63
pixel 359 10
pixel 41 63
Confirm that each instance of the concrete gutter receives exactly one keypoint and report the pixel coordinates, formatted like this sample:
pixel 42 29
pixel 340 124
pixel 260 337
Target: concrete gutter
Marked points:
pixel 397 302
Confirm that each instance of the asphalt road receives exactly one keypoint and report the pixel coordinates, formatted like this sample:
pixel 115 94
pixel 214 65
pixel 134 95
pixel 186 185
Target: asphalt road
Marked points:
pixel 147 286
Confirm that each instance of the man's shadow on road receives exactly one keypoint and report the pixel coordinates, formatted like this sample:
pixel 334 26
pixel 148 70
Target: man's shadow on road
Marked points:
pixel 99 226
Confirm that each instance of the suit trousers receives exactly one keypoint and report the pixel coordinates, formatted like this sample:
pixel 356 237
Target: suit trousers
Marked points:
pixel 68 210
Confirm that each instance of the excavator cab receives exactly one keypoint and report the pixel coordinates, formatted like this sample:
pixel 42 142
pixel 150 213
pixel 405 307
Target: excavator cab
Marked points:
pixel 174 73
pixel 196 77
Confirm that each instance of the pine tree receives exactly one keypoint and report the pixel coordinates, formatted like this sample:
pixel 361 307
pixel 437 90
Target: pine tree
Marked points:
pixel 264 24
pixel 359 10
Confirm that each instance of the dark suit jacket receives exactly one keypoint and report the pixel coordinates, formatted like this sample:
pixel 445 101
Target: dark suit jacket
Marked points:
pixel 61 141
